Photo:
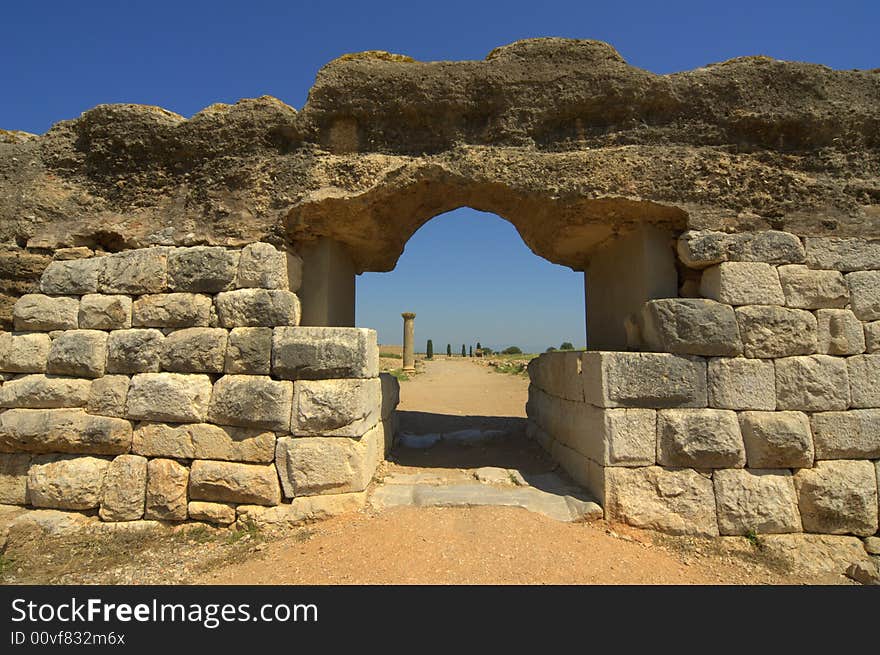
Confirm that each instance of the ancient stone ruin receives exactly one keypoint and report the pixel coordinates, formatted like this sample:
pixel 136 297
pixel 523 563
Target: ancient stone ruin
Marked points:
pixel 178 294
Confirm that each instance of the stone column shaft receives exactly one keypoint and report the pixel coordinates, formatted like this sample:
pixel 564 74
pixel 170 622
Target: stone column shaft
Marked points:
pixel 409 338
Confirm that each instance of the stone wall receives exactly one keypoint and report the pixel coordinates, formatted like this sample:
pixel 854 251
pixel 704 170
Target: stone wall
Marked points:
pixel 175 383
pixel 757 407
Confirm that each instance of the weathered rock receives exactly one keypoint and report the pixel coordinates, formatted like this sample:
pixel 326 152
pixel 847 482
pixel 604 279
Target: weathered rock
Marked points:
pixel 219 513
pixel 249 351
pixel 699 438
pixel 81 353
pixel 840 332
pixel 166 490
pixel 34 311
pixel 71 278
pixel 335 408
pixel 75 252
pixel 777 439
pixel 64 482
pixel 202 269
pixel 252 401
pixel 872 545
pixel 742 384
pixel 390 394
pixel 805 288
pixel 203 441
pixel 756 501
pixel 847 435
pixel 864 572
pixel 125 488
pixel 628 437
pixel 690 327
pixel 195 350
pixel 63 431
pixel 301 510
pixel 39 391
pixel 135 272
pixel 699 249
pixel 813 556
pixel 13 478
pixel 768 331
pixel 174 397
pixel 864 380
pixel 872 337
pixel 838 497
pixel 257 308
pixel 107 395
pixel 864 289
pixel 814 384
pixel 100 312
pixel 134 351
pixel 24 353
pixel 320 353
pixel 842 253
pixel 742 283
pixel 234 483
pixel 262 266
pixel 172 310
pixel 559 374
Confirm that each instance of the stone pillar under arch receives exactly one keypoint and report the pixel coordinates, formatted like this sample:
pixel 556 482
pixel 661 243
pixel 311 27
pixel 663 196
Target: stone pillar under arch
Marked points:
pixel 409 337
pixel 327 293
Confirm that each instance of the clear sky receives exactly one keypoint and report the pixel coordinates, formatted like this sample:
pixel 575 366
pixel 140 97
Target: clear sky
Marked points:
pixel 60 58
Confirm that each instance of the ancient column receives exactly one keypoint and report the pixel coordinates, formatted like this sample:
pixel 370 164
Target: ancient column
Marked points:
pixel 409 339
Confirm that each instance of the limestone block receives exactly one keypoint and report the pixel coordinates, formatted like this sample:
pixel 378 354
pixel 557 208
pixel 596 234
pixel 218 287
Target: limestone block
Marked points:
pixel 320 353
pixel 167 483
pixel 864 289
pixel 134 351
pixel 218 513
pixel 648 380
pixel 34 311
pixel 262 266
pixel 699 249
pixel 249 351
pixel 742 384
pixel 769 331
pixel 690 326
pixel 195 350
pixel 680 502
pixel 202 269
pixel 815 383
pixel 390 394
pixel 71 278
pixel 74 252
pixel 335 408
pixel 172 310
pixel 872 337
pixel 63 431
pixel 252 401
pixel 558 374
pixel 24 353
pixel 135 272
pixel 699 438
pixel 806 288
pixel 81 353
pixel 742 283
pixel 702 248
pixel 64 482
pixel 100 312
pixel 173 397
pixel 838 497
pixel 257 308
pixel 40 391
pixel 108 395
pixel 13 478
pixel 840 332
pixel 847 435
pixel 234 483
pixel 203 441
pixel 756 501
pixel 125 488
pixel 777 439
pixel 842 253
pixel 303 509
pixel 629 437
pixel 864 380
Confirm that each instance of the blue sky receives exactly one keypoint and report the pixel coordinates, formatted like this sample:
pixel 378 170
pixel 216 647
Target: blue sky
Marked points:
pixel 60 58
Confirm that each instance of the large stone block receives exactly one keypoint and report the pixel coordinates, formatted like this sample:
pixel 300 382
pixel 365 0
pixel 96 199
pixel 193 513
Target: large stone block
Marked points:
pixel 167 483
pixel 815 383
pixel 218 513
pixel 80 353
pixel 24 353
pixel 135 272
pixel 742 283
pixel 39 391
pixel 838 497
pixel 34 311
pixel 203 441
pixel 13 478
pixel 678 502
pixel 63 431
pixel 742 384
pixel 134 351
pixel 842 253
pixel 699 249
pixel 125 489
pixel 234 483
pixel 257 308
pixel 558 374
pixel 628 436
pixel 71 278
pixel 195 350
pixel 390 394
pixel 806 288
pixel 690 326
pixel 64 482
pixel 202 269
pixel 840 332
pixel 262 266
pixel 756 501
pixel 648 380
pixel 847 435
pixel 335 408
pixel 173 397
pixel 777 439
pixel 872 337
pixel 864 380
pixel 320 353
pixel 699 438
pixel 107 395
pixel 304 509
pixel 172 310
pixel 768 331
pixel 100 312
pixel 252 401
pixel 249 351
pixel 864 289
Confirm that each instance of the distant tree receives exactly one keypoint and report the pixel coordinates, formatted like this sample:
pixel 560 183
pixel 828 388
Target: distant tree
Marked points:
pixel 449 350
pixel 471 351
pixel 486 350
pixel 479 347
pixel 551 349
pixel 512 350
pixel 566 345
pixel 429 352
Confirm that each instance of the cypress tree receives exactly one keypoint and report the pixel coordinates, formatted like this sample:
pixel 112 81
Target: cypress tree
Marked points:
pixel 463 351
pixel 429 351
pixel 448 350
pixel 471 351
